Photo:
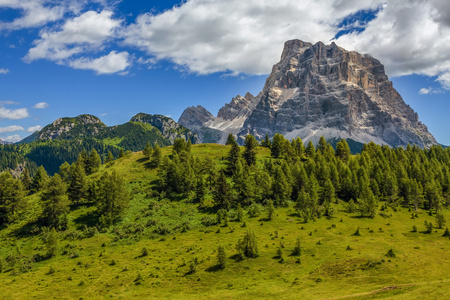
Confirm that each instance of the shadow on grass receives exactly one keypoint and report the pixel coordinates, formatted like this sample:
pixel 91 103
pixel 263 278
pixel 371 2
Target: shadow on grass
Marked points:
pixel 29 229
pixel 89 219
pixel 214 268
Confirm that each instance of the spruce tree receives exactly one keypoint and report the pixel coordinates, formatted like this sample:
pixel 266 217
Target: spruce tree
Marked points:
pixel 11 198
pixel 121 153
pixel 109 157
pixel 147 150
pixel 266 142
pixel 250 145
pixel 64 172
pixel 26 180
pixel 222 195
pixel 343 150
pixel 230 140
pixel 54 202
pixel 156 158
pixel 39 180
pixel 113 198
pixel 232 158
pixel 310 150
pixel 221 257
pixel 77 190
pixel 93 162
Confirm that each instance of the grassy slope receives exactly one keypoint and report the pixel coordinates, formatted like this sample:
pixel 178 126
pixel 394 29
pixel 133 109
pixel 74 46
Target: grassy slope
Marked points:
pixel 420 270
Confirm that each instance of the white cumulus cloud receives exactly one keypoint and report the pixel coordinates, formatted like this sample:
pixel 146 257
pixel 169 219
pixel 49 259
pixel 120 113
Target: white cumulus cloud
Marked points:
pixel 34 128
pixel 33 13
pixel 112 63
pixel 13 114
pixel 12 128
pixel 408 37
pixel 207 36
pixel 4 71
pixel 76 38
pixel 41 105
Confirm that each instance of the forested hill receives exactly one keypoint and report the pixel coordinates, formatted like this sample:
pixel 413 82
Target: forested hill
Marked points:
pixel 64 139
pixel 182 221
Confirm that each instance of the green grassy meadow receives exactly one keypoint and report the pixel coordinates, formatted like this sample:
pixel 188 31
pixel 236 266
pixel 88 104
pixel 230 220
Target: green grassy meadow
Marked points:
pixel 334 263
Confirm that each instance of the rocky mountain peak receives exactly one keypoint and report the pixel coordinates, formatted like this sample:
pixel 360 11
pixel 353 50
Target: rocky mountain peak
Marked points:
pixel 66 128
pixel 168 127
pixel 195 117
pixel 318 89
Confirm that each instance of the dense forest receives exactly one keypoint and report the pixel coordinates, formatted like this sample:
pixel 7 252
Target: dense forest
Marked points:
pixel 308 178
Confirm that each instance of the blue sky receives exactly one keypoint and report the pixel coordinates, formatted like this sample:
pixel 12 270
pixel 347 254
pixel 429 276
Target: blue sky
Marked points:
pixel 114 59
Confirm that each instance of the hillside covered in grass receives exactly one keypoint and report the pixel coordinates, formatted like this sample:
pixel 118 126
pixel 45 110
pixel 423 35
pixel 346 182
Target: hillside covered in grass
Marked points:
pixel 188 221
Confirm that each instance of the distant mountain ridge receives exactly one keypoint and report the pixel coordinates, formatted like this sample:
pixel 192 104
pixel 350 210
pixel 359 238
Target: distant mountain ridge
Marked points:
pixel 319 90
pixel 161 128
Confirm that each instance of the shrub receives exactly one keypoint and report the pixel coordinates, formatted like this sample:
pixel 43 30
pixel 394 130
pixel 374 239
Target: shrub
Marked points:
pixel 391 253
pixel 247 246
pixel 221 257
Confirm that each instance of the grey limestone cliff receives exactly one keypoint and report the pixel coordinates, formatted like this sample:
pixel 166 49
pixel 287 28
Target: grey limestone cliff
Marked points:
pixel 326 90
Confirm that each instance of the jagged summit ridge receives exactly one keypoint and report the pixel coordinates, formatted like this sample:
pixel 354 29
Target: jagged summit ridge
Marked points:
pixel 326 90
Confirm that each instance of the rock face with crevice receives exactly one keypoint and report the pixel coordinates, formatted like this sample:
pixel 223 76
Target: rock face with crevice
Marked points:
pixel 325 90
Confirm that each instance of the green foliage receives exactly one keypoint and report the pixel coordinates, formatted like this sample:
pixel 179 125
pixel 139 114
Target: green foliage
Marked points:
pixel 343 150
pixel 78 186
pixel 221 257
pixel 39 180
pixel 297 249
pixel 391 253
pixel 113 198
pixel 54 203
pixel 249 154
pixel 12 200
pixel 247 246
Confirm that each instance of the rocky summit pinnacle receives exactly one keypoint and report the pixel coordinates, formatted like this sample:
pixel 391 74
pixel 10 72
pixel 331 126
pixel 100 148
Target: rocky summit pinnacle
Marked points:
pixel 325 90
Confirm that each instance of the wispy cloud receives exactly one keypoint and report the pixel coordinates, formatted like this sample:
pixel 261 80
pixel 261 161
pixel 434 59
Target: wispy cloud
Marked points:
pixel 12 128
pixel 13 138
pixel 4 71
pixel 41 105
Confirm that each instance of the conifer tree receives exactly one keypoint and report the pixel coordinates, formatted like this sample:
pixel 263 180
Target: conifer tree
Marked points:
pixel 248 246
pixel 230 140
pixel 39 180
pixel 233 158
pixel 343 150
pixel 179 145
pixel 64 172
pixel 147 150
pixel 281 189
pixel 221 257
pixel 26 180
pixel 276 149
pixel 222 195
pixel 113 198
pixel 367 201
pixel 322 145
pixel 266 142
pixel 155 161
pixel 109 157
pixel 11 198
pixel 54 202
pixel 299 147
pixel 121 153
pixel 310 150
pixel 93 162
pixel 250 145
pixel 77 190
pixel 200 189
